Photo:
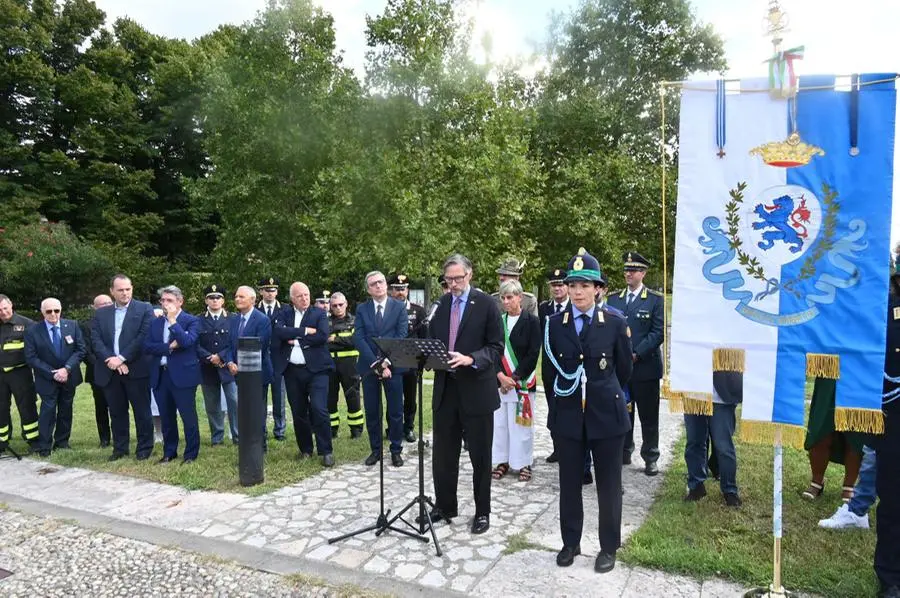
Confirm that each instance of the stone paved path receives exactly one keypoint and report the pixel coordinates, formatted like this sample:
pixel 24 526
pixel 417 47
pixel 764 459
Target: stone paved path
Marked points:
pixel 298 520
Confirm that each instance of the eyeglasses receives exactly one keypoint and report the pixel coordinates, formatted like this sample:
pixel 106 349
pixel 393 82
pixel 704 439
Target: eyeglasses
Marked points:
pixel 376 283
pixel 338 305
pixel 52 311
pixel 454 279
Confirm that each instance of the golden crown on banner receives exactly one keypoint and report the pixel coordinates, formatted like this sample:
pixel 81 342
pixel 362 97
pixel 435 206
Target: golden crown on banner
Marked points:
pixel 788 153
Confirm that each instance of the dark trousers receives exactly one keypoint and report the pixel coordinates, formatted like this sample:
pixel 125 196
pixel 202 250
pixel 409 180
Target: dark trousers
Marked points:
pixel 645 399
pixel 101 413
pixel 607 454
pixel 551 408
pixel 18 383
pixel 887 484
pixel 393 394
pixel 720 429
pixel 308 396
pixel 121 392
pixel 55 420
pixel 278 388
pixel 449 422
pixel 410 389
pixel 345 377
pixel 172 402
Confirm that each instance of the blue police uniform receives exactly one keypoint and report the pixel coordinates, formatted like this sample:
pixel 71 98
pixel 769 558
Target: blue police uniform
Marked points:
pixel 591 353
pixel 277 383
pixel 644 313
pixel 545 310
pixel 215 339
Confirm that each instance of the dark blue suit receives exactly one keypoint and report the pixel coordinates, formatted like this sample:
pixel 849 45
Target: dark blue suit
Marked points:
pixel 259 326
pixel 175 383
pixel 307 383
pixel 132 388
pixel 597 420
pixel 394 324
pixel 56 398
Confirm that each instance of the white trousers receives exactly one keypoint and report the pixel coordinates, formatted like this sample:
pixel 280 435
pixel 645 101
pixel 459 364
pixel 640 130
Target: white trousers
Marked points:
pixel 513 443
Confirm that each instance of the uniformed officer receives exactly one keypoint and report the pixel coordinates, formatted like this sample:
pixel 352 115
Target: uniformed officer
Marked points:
pixel 214 349
pixel 399 286
pixel 560 301
pixel 643 309
pixel 344 354
pixel 270 305
pixel 323 301
pixel 512 268
pixel 15 376
pixel 590 352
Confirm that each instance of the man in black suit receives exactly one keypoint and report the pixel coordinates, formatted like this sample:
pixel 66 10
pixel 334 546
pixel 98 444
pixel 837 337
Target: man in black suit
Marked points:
pixel 643 308
pixel 101 409
pixel 415 315
pixel 54 350
pixel 117 337
pixel 468 323
pixel 300 354
pixel 559 302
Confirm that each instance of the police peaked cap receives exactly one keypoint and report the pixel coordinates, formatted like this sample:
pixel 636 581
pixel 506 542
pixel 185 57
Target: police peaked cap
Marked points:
pixel 270 282
pixel 634 261
pixel 584 267
pixel 215 289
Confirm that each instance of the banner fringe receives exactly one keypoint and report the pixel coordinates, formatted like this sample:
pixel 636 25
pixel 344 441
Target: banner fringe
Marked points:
pixel 822 365
pixel 853 419
pixel 728 360
pixel 762 432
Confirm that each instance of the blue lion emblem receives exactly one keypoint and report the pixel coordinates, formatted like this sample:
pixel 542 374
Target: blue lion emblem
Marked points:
pixel 787 222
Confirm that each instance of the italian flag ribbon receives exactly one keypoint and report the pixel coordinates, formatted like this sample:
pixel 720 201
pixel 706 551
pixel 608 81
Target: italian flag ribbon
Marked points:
pixel 524 414
pixel 782 79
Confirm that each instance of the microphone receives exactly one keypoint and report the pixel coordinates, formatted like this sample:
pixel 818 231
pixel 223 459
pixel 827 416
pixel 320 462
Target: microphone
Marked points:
pixel 434 309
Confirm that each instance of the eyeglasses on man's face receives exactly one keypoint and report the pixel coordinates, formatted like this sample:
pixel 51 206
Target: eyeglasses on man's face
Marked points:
pixel 454 279
pixel 52 311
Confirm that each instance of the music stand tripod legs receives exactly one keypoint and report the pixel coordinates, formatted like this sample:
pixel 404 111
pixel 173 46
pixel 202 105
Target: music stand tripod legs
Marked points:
pixel 381 523
pixel 12 452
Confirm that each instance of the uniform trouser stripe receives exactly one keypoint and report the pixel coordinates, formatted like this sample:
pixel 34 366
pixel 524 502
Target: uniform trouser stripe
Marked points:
pixel 335 419
pixel 357 418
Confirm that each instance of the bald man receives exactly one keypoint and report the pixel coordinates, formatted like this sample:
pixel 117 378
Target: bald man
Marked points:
pixel 300 354
pixel 54 351
pixel 101 409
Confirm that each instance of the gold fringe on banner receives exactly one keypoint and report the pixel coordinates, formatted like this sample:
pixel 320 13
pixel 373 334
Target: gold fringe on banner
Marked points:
pixel 760 432
pixel 692 403
pixel 728 360
pixel 821 365
pixel 851 419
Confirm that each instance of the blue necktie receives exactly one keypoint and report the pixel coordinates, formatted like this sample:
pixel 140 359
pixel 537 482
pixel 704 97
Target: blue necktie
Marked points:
pixel 57 344
pixel 241 327
pixel 379 318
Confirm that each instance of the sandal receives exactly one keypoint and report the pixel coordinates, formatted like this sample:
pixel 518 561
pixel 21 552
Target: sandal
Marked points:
pixel 846 493
pixel 525 474
pixel 500 471
pixel 814 491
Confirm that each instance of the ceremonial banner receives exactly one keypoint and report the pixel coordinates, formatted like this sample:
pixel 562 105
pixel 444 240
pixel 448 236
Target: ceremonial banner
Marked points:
pixel 782 250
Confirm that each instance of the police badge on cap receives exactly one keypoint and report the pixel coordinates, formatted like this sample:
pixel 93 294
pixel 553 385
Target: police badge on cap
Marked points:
pixel 269 283
pixel 214 290
pixel 583 267
pixel 634 261
pixel 398 281
pixel 556 276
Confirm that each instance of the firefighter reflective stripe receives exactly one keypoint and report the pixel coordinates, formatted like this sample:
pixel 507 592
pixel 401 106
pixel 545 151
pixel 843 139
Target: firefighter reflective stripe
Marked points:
pixel 335 419
pixel 30 431
pixel 4 434
pixel 357 418
pixel 14 345
pixel 12 367
pixel 353 353
pixel 345 333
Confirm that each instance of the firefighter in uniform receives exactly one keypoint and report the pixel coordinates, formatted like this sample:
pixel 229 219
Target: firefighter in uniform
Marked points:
pixel 590 352
pixel 643 309
pixel 344 354
pixel 512 268
pixel 270 305
pixel 16 379
pixel 399 285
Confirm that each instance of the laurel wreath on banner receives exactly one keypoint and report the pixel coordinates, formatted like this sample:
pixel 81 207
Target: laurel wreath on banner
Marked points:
pixel 752 266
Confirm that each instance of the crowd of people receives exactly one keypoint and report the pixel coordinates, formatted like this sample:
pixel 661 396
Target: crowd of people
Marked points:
pixel 600 357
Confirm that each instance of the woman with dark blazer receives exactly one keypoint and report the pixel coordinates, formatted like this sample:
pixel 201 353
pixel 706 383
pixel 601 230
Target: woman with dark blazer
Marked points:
pixel 516 378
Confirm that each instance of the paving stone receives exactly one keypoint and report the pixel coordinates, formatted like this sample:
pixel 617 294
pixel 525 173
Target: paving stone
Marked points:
pixel 408 571
pixel 350 558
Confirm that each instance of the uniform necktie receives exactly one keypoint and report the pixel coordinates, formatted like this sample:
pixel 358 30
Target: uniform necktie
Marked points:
pixel 585 324
pixel 57 345
pixel 379 318
pixel 269 311
pixel 241 327
pixel 558 307
pixel 454 323
pixel 630 299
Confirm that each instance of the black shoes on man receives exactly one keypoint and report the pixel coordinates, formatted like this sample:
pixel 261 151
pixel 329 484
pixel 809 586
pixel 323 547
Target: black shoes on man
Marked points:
pixel 604 563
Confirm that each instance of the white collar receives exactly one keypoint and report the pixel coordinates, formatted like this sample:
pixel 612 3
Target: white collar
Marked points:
pixel 383 304
pixel 635 292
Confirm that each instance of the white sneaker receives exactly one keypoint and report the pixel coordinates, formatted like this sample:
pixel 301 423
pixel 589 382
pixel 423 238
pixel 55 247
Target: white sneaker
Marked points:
pixel 843 518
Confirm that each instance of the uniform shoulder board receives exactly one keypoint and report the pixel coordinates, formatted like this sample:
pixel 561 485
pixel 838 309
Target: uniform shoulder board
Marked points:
pixel 653 292
pixel 622 293
pixel 611 313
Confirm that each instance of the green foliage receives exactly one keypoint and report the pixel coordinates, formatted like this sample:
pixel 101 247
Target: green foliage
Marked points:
pixel 47 260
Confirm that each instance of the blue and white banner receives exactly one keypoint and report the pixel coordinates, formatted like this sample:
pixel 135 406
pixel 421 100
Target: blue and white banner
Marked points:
pixel 784 266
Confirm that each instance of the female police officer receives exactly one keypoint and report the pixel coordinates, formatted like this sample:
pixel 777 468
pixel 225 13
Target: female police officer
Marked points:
pixel 590 351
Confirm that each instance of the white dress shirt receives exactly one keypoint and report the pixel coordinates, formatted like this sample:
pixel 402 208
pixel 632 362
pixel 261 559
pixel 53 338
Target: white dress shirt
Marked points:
pixel 297 356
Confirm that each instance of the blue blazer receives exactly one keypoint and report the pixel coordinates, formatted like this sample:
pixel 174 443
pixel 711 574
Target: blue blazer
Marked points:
pixel 183 363
pixel 41 356
pixel 395 324
pixel 259 326
pixel 215 338
pixel 131 340
pixel 315 346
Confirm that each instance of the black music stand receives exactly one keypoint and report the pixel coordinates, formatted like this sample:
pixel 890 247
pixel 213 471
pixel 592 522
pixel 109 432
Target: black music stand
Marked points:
pixel 5 447
pixel 419 353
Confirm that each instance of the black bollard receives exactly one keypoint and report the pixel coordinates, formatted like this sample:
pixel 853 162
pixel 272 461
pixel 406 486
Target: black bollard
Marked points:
pixel 251 411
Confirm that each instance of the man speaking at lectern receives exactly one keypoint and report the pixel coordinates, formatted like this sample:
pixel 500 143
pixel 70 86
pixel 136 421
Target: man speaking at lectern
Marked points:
pixel 467 321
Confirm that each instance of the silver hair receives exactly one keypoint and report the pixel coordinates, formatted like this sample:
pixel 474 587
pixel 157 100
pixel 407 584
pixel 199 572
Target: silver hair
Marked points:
pixel 370 275
pixel 337 294
pixel 458 259
pixel 170 290
pixel 510 286
pixel 250 291
pixel 48 299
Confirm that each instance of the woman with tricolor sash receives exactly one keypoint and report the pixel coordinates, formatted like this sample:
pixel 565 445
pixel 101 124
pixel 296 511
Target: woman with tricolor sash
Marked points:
pixel 517 380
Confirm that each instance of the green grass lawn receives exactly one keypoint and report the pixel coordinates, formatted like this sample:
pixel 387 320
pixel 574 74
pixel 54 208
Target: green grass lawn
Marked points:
pixel 217 467
pixel 706 539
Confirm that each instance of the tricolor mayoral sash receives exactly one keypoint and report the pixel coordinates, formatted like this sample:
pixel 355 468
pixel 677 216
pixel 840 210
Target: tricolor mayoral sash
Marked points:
pixel 782 249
